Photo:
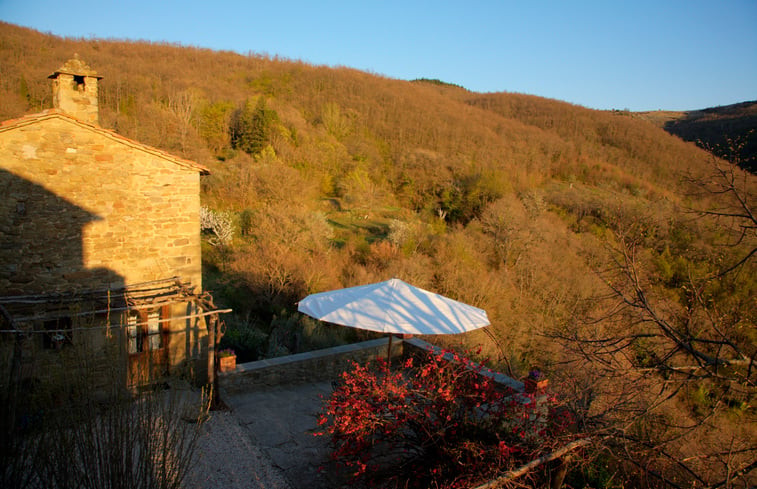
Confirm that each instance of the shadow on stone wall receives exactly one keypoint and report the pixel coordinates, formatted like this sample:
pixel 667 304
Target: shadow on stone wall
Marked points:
pixel 42 261
pixel 41 249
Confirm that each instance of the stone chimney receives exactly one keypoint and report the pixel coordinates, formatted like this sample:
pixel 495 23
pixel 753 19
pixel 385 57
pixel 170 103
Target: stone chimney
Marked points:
pixel 75 90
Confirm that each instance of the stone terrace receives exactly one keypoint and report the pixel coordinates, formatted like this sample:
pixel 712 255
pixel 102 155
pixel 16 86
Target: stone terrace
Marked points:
pixel 276 402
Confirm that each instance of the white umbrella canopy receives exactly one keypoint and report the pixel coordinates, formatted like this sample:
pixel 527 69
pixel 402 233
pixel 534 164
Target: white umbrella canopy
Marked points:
pixel 396 307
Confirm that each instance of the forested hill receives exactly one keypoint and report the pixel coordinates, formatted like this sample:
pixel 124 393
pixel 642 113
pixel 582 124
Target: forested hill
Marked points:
pixel 614 256
pixel 182 99
pixel 729 131
pixel 334 177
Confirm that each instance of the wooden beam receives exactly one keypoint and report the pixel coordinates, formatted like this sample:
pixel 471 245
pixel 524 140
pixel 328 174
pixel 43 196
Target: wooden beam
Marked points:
pixel 524 469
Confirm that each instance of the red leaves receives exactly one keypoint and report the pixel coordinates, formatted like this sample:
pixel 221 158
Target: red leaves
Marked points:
pixel 442 421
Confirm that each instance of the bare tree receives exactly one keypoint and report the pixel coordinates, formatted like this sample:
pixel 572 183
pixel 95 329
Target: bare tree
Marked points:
pixel 734 190
pixel 665 376
pixel 182 105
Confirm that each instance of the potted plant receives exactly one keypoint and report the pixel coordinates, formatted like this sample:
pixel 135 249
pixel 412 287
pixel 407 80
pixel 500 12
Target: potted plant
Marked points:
pixel 227 360
pixel 535 381
pixel 57 341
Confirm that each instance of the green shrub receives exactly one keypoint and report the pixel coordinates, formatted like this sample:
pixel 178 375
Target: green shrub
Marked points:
pixel 248 341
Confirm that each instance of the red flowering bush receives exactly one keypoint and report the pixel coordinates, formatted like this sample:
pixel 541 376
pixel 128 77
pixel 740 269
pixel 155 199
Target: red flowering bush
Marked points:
pixel 439 423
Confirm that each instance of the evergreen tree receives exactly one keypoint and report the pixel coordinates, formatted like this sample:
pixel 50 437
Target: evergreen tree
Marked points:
pixel 251 126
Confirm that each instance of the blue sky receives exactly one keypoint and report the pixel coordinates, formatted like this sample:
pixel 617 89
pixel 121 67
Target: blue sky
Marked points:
pixel 640 55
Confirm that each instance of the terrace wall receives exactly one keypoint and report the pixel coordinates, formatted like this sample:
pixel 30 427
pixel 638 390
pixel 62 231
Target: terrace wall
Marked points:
pixel 328 364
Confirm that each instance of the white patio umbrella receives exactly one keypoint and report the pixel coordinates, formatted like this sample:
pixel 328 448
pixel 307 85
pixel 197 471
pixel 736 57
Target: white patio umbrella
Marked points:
pixel 394 307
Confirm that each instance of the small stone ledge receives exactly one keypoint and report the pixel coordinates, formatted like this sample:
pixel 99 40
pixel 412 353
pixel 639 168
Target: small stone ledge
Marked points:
pixel 312 366
pixel 329 363
pixel 416 346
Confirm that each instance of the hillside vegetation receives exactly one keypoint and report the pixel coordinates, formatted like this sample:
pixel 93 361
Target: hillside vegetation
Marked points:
pixel 530 208
pixel 727 131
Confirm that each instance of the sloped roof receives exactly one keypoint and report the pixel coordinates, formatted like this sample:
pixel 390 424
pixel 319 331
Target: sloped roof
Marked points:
pixel 58 114
pixel 75 66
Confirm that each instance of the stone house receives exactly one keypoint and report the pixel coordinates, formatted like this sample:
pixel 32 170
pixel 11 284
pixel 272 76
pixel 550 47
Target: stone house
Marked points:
pixel 100 261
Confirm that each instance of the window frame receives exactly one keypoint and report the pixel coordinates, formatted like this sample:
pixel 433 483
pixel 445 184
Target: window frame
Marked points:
pixel 143 336
pixel 58 333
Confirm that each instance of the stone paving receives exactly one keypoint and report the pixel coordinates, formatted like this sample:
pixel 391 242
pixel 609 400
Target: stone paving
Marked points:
pixel 274 404
pixel 280 421
pixel 227 458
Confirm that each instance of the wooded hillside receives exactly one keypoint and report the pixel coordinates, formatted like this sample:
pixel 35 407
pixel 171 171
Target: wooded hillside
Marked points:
pixel 727 131
pixel 554 218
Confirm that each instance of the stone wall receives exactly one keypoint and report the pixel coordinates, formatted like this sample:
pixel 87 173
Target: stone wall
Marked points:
pixel 418 348
pixel 313 366
pixel 329 363
pixel 86 209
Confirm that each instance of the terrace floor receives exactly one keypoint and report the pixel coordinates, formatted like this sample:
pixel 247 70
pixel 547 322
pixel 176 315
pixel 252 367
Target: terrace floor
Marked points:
pixel 281 421
pixel 266 438
pixel 265 441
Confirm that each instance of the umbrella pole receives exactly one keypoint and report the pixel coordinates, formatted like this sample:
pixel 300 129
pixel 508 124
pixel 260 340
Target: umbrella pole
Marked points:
pixel 389 351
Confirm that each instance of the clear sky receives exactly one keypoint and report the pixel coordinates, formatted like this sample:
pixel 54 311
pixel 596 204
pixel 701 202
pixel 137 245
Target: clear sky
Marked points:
pixel 635 54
